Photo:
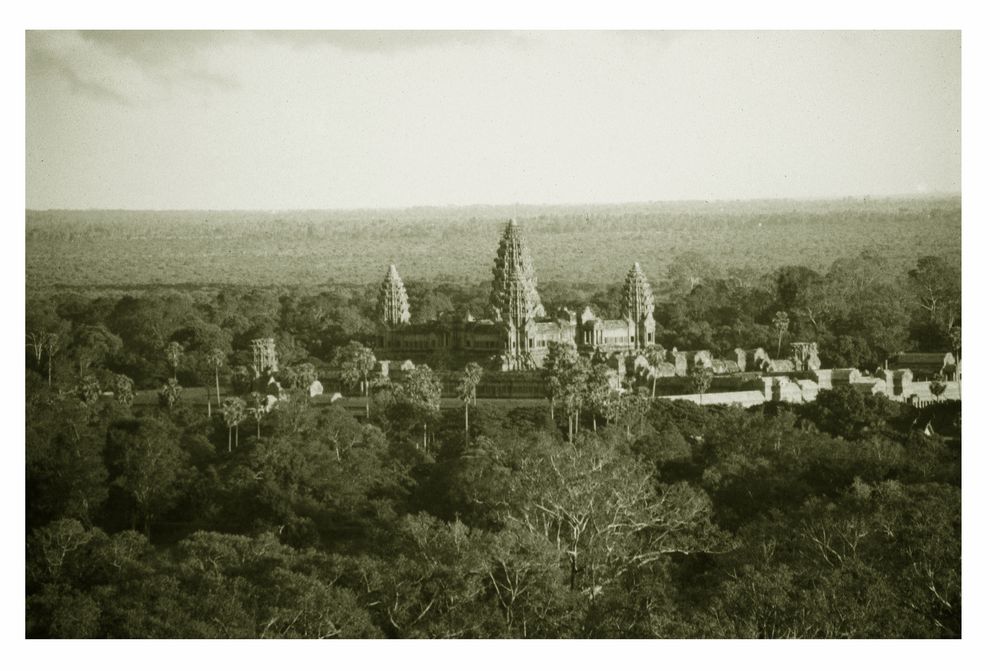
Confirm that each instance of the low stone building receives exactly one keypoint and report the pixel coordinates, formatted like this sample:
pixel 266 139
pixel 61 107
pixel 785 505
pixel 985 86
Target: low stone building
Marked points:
pixel 725 367
pixel 839 376
pixel 778 366
pixel 927 365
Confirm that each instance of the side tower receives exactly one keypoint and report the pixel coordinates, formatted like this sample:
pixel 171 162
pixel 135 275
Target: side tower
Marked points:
pixel 514 298
pixel 393 309
pixel 265 356
pixel 393 304
pixel 637 308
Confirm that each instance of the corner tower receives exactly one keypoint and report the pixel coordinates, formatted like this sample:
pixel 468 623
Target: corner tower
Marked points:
pixel 637 307
pixel 393 304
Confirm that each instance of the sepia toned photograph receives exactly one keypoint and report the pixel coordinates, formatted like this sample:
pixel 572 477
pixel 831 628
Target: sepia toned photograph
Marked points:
pixel 493 334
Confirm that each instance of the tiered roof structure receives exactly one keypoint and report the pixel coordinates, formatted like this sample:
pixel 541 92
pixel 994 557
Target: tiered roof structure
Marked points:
pixel 514 298
pixel 265 355
pixel 516 333
pixel 393 304
pixel 637 296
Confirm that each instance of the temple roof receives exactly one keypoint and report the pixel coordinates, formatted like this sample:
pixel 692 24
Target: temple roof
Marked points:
pixel 393 304
pixel 514 297
pixel 637 295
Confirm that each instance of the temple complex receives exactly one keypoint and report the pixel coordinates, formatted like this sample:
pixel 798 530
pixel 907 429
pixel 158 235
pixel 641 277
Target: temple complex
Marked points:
pixel 517 331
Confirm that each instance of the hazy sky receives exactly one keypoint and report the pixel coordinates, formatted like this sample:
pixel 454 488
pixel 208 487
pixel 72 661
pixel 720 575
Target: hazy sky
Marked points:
pixel 384 119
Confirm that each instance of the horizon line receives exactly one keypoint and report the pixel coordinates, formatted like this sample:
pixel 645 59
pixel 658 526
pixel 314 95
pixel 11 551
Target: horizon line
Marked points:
pixel 934 195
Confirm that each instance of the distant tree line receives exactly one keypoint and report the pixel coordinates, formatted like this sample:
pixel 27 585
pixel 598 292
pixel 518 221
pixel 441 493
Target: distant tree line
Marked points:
pixel 135 249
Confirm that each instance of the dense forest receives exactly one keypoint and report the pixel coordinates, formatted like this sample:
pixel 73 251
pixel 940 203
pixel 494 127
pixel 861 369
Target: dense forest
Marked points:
pixel 839 518
pixel 568 243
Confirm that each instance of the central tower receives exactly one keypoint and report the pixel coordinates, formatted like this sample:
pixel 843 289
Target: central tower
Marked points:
pixel 393 304
pixel 514 298
pixel 637 308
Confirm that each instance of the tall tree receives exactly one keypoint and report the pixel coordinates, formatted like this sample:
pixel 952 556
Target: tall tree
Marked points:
pixel 937 285
pixel 471 376
pixel 174 351
pixel 559 358
pixel 53 341
pixel 92 345
pixel 573 389
pixel 217 359
pixel 598 394
pixel 780 323
pixel 299 376
pixel 170 393
pixel 257 412
pixel 422 389
pixel 656 355
pixel 701 378
pixel 234 411
pixel 354 363
pixel 146 462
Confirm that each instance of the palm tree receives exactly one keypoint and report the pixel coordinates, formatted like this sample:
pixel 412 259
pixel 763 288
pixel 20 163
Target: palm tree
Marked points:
pixel 257 408
pixel 217 359
pixel 780 323
pixel 422 389
pixel 170 393
pixel 656 356
pixel 124 390
pixel 234 411
pixel 353 362
pixel 51 344
pixel 702 380
pixel 90 390
pixel 471 376
pixel 174 352
pixel 258 414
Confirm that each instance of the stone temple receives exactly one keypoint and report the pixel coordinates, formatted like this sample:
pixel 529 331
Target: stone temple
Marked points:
pixel 517 331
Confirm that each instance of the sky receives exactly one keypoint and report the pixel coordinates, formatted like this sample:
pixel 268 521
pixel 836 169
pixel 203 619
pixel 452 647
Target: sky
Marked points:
pixel 312 120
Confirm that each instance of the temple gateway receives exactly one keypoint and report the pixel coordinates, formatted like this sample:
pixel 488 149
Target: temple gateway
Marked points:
pixel 517 332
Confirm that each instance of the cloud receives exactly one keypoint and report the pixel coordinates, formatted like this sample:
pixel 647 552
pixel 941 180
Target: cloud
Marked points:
pixel 42 62
pixel 158 48
pixel 127 67
pixel 379 41
pixel 145 66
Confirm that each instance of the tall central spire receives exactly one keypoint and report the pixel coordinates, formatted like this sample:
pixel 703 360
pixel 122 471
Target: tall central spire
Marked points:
pixel 514 299
pixel 393 304
pixel 637 296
